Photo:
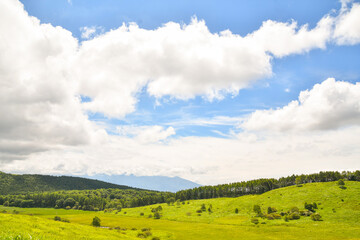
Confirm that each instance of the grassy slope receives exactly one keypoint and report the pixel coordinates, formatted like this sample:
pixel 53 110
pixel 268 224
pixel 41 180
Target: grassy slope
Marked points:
pixel 341 223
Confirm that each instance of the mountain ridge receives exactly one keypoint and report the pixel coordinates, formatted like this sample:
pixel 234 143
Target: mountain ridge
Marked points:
pixel 21 183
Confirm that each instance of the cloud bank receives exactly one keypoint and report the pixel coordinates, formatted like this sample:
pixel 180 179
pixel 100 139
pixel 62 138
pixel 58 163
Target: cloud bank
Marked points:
pixel 44 70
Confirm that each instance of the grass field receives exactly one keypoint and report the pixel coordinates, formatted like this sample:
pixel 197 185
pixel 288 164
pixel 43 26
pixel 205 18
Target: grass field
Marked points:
pixel 340 210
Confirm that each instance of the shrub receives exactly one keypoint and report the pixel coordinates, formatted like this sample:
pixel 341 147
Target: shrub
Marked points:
pixel 257 209
pixel 150 216
pixel 198 211
pixel 145 229
pixel 141 235
pixel 286 218
pixel 141 214
pixel 294 216
pixel 157 215
pixel 203 207
pixel 271 210
pixel 341 182
pixel 57 218
pixel 316 217
pixel 148 233
pixel 255 221
pixel 342 187
pixel 294 209
pixel 155 238
pixel 276 216
pixel 96 222
pixel 236 210
pixel 65 220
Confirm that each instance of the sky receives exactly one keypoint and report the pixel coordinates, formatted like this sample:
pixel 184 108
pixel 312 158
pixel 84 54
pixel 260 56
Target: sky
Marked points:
pixel 210 91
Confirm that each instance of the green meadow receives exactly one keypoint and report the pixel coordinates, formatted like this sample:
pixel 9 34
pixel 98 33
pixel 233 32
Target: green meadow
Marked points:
pixel 339 209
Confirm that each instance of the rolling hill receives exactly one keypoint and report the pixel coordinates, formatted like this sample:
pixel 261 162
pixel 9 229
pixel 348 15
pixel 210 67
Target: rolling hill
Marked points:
pixel 13 183
pixel 339 208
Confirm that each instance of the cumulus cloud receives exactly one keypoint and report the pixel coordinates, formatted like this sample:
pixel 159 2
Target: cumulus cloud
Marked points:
pixel 282 39
pixel 38 100
pixel 329 105
pixel 146 134
pixel 184 61
pixel 207 160
pixel 347 28
pixel 44 70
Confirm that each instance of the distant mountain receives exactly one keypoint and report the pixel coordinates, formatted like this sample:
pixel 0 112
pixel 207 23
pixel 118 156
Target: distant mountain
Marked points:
pixel 158 183
pixel 13 183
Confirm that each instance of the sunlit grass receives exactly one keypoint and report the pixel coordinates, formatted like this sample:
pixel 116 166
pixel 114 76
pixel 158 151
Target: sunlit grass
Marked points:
pixel 339 208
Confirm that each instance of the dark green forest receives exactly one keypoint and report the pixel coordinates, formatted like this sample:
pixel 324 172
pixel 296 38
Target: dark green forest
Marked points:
pixel 260 186
pixel 14 184
pixel 115 199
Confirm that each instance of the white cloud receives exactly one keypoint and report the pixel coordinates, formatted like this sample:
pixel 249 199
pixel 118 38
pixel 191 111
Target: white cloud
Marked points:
pixel 43 70
pixel 329 105
pixel 282 39
pixel 207 160
pixel 90 32
pixel 38 98
pixel 146 134
pixel 347 29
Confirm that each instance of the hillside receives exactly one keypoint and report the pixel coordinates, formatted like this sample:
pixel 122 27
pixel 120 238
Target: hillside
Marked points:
pixel 13 183
pixel 339 208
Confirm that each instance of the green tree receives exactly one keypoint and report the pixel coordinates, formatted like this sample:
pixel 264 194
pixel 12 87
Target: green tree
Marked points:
pixel 257 209
pixel 96 222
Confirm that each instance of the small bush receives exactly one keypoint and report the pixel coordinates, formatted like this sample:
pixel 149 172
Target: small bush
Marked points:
pixel 286 218
pixel 157 215
pixel 294 216
pixel 155 238
pixel 133 229
pixel 141 214
pixel 294 209
pixel 145 229
pixel 341 182
pixel 257 209
pixel 96 222
pixel 141 235
pixel 342 187
pixel 271 210
pixel 65 220
pixel 255 221
pixel 198 211
pixel 236 210
pixel 148 233
pixel 203 207
pixel 316 217
pixel 150 216
pixel 57 218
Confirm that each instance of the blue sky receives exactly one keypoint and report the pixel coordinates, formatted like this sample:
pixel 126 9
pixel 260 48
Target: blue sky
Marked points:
pixel 211 91
pixel 291 74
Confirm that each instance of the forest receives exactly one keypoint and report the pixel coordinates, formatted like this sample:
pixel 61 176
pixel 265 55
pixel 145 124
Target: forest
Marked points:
pixel 116 199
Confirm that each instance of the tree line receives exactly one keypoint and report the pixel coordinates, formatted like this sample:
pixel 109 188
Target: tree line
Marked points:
pixel 101 199
pixel 93 200
pixel 260 186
